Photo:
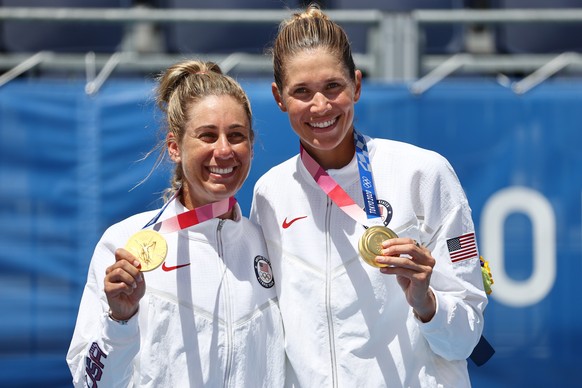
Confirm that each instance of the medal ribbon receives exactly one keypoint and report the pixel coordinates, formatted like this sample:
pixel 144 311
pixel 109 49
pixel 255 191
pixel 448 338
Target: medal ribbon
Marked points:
pixel 366 180
pixel 191 217
pixel 338 195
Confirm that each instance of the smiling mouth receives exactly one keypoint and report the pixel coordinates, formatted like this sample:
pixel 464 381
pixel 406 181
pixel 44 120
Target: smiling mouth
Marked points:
pixel 220 171
pixel 323 124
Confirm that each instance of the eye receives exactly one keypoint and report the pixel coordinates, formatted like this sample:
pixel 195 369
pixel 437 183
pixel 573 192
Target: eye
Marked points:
pixel 334 89
pixel 300 91
pixel 208 137
pixel 237 137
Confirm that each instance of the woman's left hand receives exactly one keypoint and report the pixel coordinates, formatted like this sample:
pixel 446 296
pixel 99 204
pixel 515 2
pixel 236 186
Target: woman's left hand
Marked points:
pixel 412 264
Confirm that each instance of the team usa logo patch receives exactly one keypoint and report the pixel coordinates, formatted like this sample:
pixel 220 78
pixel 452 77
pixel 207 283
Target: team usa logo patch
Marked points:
pixel 385 211
pixel 264 272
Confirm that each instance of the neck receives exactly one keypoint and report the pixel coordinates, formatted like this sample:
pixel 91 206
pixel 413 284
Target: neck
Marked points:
pixel 336 158
pixel 229 215
pixel 185 198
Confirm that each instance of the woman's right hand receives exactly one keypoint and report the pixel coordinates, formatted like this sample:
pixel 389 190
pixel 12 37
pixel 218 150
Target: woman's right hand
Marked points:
pixel 124 285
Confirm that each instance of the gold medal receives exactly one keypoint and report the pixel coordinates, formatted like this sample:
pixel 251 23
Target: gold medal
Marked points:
pixel 370 244
pixel 149 247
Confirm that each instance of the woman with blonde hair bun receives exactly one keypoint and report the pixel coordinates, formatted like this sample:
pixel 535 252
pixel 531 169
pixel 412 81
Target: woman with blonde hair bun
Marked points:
pixel 183 296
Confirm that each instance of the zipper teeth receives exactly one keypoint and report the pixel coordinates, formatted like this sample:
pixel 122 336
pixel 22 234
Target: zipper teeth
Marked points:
pixel 228 313
pixel 330 330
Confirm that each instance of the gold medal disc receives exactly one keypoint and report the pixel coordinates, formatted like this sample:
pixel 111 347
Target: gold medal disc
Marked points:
pixel 149 247
pixel 370 244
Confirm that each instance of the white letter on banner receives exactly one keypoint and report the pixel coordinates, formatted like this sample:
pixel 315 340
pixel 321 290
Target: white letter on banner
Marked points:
pixel 541 214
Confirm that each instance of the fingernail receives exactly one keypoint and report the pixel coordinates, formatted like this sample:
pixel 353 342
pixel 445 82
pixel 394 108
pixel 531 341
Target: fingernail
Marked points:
pixel 136 264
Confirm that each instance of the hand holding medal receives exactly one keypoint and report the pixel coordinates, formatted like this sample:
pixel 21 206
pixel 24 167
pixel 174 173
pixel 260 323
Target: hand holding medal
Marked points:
pixel 370 244
pixel 124 286
pixel 145 251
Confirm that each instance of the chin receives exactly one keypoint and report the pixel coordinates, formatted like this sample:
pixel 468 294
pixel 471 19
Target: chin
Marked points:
pixel 224 193
pixel 325 145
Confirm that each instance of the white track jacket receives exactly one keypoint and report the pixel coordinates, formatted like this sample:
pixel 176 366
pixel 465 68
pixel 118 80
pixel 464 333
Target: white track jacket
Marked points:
pixel 347 324
pixel 209 316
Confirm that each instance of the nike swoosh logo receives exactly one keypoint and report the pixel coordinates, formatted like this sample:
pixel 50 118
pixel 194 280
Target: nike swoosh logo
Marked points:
pixel 288 224
pixel 171 268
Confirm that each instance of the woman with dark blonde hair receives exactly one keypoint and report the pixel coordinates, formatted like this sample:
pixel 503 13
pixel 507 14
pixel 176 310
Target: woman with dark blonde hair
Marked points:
pixel 372 242
pixel 183 296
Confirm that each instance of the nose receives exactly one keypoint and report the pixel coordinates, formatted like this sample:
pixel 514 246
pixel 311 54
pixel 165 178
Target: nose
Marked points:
pixel 223 148
pixel 320 103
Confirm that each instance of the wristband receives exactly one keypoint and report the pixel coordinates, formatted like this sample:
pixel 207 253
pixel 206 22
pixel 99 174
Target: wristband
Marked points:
pixel 120 321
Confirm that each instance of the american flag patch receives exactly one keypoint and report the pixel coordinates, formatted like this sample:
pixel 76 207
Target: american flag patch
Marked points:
pixel 462 247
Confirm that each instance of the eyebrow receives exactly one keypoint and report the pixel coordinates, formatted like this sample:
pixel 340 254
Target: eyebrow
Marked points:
pixel 324 82
pixel 212 126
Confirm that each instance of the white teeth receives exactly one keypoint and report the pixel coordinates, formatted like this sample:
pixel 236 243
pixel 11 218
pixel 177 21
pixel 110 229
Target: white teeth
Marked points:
pixel 323 124
pixel 221 171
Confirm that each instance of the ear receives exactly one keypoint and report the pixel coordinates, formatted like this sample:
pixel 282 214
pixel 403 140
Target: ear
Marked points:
pixel 278 98
pixel 358 89
pixel 173 148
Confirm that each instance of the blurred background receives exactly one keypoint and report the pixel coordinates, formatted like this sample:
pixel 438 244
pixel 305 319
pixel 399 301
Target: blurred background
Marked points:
pixel 493 85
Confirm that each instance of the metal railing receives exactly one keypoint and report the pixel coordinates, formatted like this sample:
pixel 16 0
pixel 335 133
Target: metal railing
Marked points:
pixel 540 66
pixel 130 59
pixel 394 53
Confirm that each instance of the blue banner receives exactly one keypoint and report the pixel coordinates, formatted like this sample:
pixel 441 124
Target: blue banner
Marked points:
pixel 70 165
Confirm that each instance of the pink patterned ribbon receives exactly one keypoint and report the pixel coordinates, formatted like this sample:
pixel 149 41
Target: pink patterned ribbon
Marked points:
pixel 335 192
pixel 191 217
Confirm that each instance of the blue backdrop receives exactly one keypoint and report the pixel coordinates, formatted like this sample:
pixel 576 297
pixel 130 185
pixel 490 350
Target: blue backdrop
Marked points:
pixel 69 162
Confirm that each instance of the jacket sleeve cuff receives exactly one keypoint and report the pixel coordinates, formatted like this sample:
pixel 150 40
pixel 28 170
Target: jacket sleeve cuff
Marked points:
pixel 446 336
pixel 439 319
pixel 120 332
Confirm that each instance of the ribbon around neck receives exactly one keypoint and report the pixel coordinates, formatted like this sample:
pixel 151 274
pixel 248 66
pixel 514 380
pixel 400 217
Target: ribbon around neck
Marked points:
pixel 371 214
pixel 191 217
